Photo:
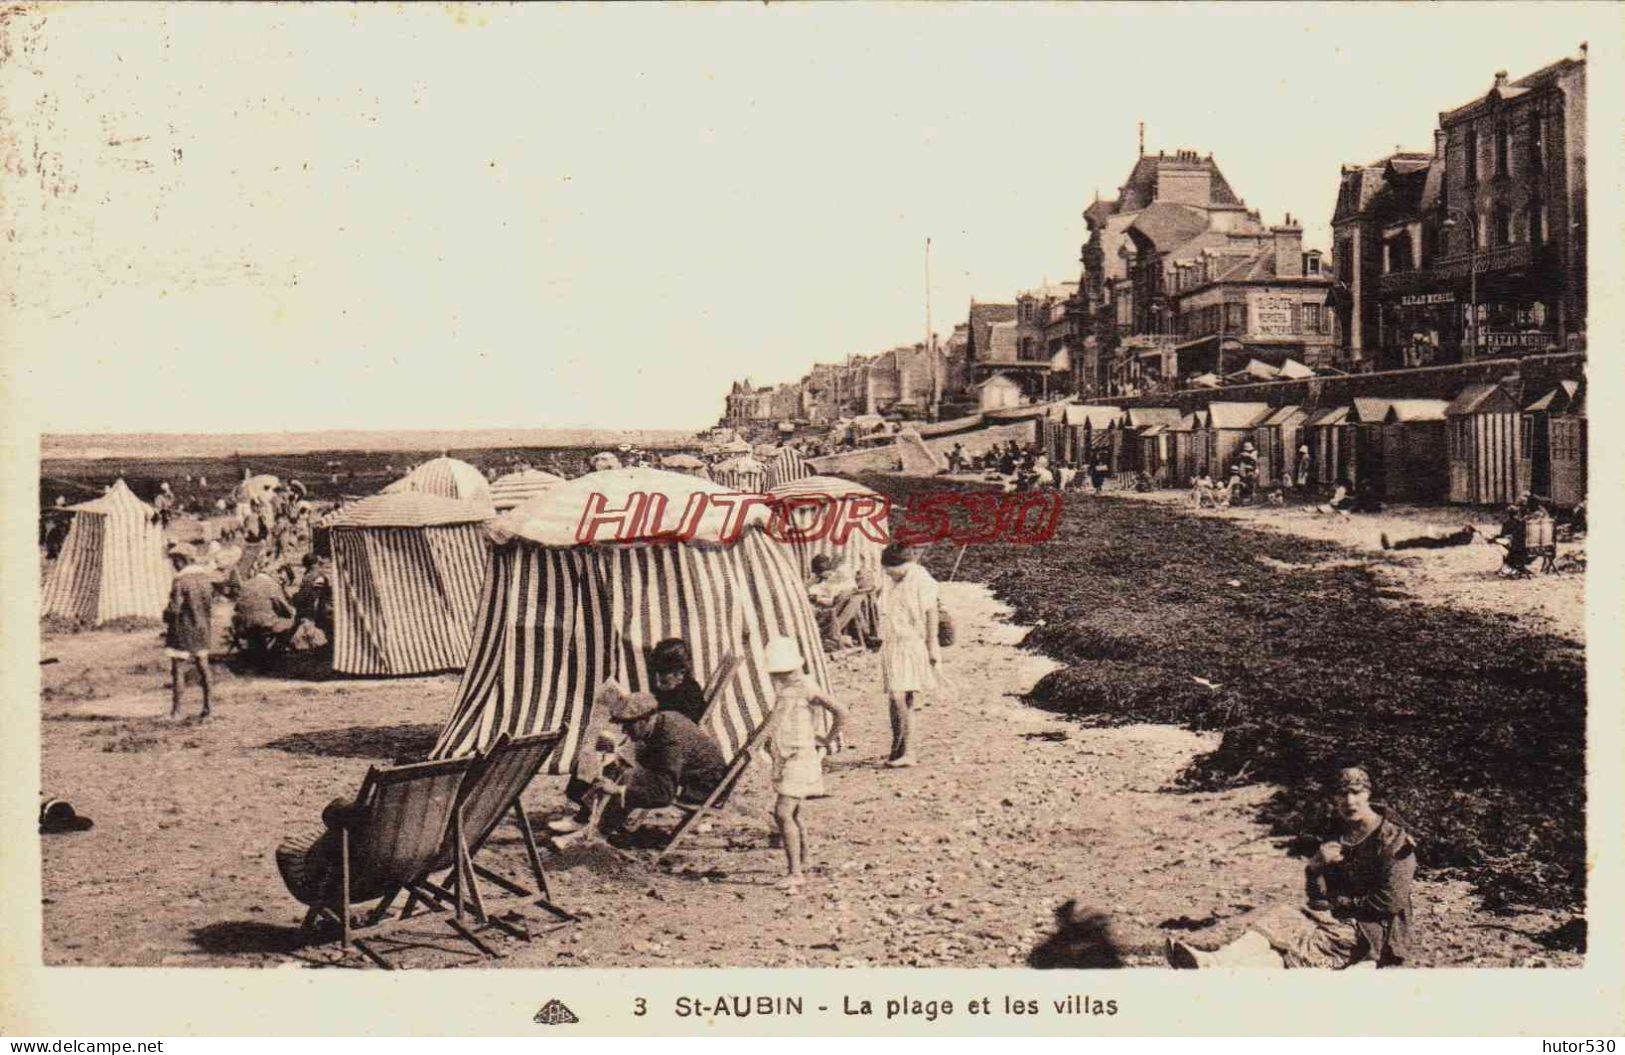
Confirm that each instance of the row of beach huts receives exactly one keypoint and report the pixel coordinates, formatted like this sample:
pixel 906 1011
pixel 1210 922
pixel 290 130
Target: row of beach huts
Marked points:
pixel 1480 448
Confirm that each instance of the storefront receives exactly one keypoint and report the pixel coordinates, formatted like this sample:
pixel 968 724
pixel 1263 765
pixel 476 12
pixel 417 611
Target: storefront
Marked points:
pixel 1419 329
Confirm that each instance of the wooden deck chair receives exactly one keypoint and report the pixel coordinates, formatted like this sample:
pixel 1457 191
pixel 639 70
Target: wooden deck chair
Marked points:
pixel 719 794
pixel 489 793
pixel 393 834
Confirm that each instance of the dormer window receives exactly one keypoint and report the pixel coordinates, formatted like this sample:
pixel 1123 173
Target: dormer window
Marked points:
pixel 1311 263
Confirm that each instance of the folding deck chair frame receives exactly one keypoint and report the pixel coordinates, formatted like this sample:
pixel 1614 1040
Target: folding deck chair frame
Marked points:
pixel 489 793
pixel 399 861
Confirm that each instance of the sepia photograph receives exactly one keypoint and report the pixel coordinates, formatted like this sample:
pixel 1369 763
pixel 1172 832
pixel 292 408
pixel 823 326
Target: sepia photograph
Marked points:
pixel 1025 487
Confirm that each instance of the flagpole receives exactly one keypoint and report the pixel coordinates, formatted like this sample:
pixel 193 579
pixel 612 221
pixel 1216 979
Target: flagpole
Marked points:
pixel 930 352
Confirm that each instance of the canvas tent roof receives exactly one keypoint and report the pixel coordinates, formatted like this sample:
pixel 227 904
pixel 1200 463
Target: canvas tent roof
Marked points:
pixel 681 461
pixel 446 477
pixel 1564 398
pixel 515 488
pixel 408 509
pixel 551 519
pixel 1295 371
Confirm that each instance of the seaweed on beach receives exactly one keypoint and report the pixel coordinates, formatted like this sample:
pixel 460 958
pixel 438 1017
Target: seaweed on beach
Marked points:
pixel 1473 728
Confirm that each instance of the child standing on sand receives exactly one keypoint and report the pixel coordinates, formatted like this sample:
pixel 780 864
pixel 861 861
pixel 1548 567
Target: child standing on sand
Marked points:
pixel 792 749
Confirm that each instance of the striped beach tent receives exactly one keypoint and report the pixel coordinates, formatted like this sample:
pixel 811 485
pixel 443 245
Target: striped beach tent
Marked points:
pixel 407 573
pixel 744 473
pixel 559 618
pixel 786 465
pixel 858 550
pixel 516 489
pixel 446 477
pixel 112 563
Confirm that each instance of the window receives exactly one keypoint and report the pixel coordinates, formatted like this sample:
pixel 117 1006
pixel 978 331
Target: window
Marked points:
pixel 1312 318
pixel 1472 157
pixel 1526 433
pixel 1501 221
pixel 1537 141
pixel 1311 264
pixel 1235 318
pixel 1536 223
pixel 1503 150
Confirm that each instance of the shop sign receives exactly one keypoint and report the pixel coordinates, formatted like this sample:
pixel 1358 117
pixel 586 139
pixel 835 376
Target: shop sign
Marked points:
pixel 1413 299
pixel 1518 340
pixel 1272 315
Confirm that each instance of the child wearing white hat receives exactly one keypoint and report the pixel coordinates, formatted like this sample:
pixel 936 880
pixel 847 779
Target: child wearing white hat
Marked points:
pixel 792 749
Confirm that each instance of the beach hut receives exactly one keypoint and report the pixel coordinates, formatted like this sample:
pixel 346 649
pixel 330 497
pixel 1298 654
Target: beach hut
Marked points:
pixel 1143 446
pixel 446 477
pixel 1229 425
pixel 407 569
pixel 112 564
pixel 743 473
pixel 848 502
pixel 1187 448
pixel 786 465
pixel 1276 438
pixel 559 618
pixel 1552 450
pixel 1087 432
pixel 1399 448
pixel 686 464
pixel 1484 422
pixel 518 488
pixel 1329 445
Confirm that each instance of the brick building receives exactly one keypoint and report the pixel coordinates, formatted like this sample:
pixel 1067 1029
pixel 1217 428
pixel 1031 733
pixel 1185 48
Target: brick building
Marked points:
pixel 1478 248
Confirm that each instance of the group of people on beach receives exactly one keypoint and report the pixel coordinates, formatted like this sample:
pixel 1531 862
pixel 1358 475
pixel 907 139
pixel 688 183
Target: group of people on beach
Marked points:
pixel 651 749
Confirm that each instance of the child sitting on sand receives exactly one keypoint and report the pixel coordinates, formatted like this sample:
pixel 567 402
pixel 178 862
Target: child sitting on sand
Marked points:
pixel 792 749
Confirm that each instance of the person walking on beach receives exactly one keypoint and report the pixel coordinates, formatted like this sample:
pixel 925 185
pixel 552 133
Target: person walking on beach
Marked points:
pixel 908 643
pixel 187 622
pixel 792 748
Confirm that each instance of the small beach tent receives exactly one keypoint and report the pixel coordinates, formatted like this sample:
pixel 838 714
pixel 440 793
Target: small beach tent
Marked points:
pixel 735 446
pixel 848 499
pixel 446 477
pixel 1276 438
pixel 1553 447
pixel 518 488
pixel 1292 370
pixel 407 569
pixel 1399 448
pixel 764 451
pixel 1187 448
pixel 1484 422
pixel 1329 445
pixel 1229 426
pixel 686 464
pixel 743 473
pixel 786 465
pixel 112 564
pixel 559 618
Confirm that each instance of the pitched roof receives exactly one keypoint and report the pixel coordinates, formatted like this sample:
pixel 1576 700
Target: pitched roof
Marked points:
pixel 1222 415
pixel 1556 401
pixel 1093 417
pixel 1328 416
pixel 1293 369
pixel 1369 410
pixel 1139 190
pixel 982 317
pixel 1284 416
pixel 1167 226
pixel 1479 399
pixel 1513 89
pixel 1148 416
pixel 1001 345
pixel 1408 410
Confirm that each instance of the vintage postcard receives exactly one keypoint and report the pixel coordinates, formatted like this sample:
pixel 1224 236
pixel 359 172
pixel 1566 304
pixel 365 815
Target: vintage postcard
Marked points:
pixel 795 519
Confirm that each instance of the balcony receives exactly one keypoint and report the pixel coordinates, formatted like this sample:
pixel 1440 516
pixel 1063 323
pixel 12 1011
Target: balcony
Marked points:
pixel 1451 268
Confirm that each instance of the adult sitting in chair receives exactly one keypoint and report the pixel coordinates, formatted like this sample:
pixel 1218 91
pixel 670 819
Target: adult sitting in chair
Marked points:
pixel 673 761
pixel 671 676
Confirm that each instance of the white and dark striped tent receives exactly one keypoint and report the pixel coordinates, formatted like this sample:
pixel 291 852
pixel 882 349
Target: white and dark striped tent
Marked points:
pixel 744 473
pixel 407 573
pixel 786 466
pixel 858 550
pixel 112 563
pixel 559 618
pixel 516 489
pixel 446 477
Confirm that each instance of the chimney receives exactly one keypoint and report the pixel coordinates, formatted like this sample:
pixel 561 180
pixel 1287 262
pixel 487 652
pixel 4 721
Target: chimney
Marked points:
pixel 1500 78
pixel 1288 238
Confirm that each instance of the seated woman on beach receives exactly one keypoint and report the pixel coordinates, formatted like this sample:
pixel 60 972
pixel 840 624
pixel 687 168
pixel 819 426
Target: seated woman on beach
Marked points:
pixel 1357 906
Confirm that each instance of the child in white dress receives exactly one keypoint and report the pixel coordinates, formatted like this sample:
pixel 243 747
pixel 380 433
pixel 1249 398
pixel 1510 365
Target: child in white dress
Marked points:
pixel 792 748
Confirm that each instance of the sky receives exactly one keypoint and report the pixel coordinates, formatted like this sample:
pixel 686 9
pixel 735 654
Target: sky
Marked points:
pixel 256 218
